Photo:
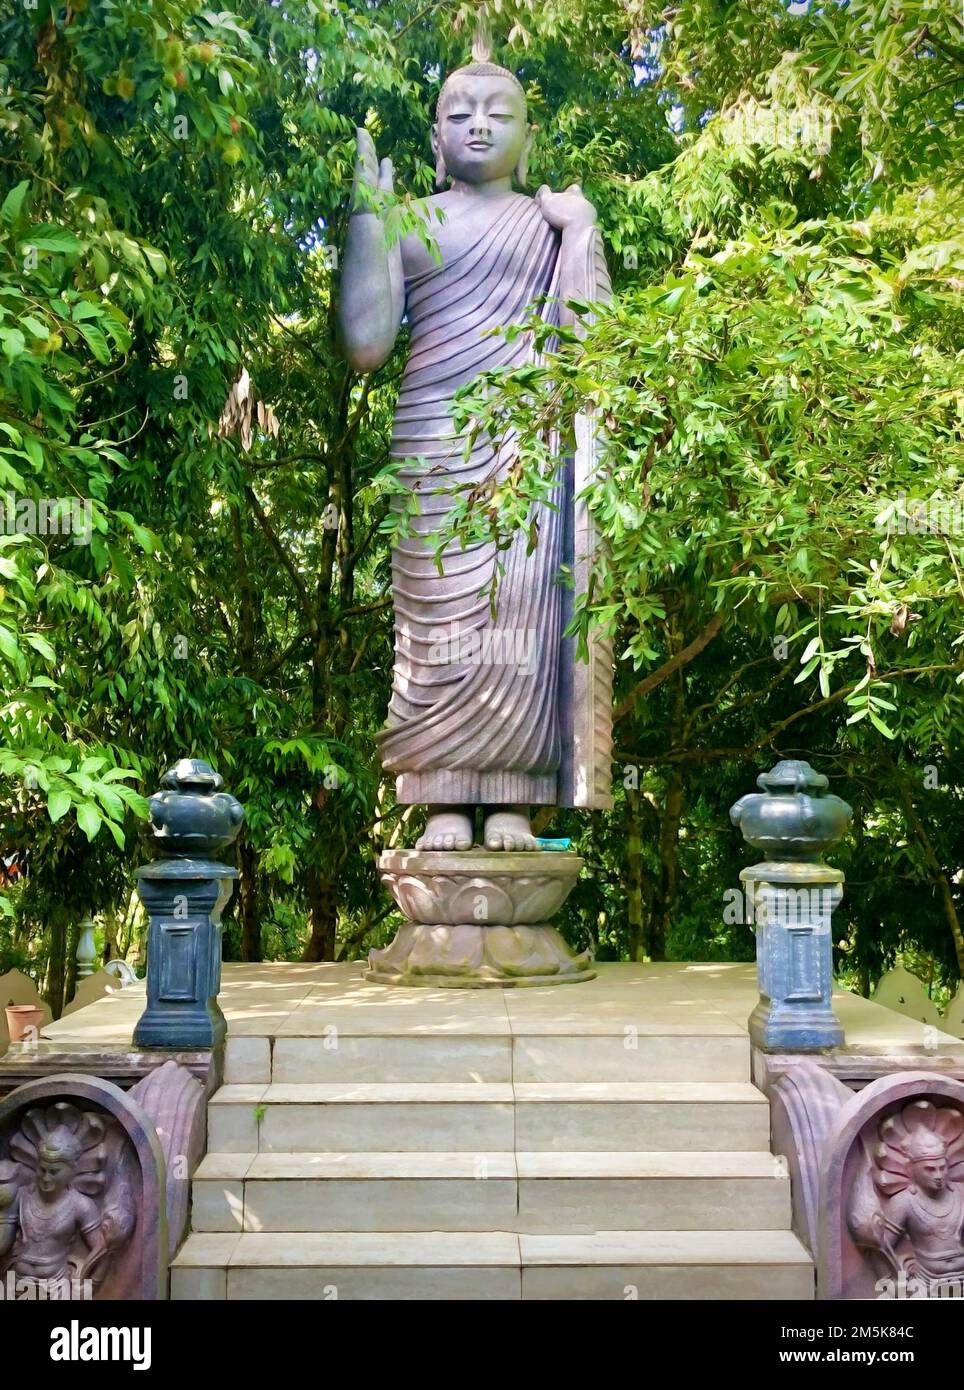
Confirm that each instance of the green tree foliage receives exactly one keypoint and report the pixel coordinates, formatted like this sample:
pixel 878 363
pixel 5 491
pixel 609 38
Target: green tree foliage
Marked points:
pixel 778 379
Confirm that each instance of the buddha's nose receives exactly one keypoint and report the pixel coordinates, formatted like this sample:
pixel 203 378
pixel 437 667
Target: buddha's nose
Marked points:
pixel 481 127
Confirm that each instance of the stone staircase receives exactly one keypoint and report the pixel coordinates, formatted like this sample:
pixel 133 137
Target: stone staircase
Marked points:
pixel 538 1165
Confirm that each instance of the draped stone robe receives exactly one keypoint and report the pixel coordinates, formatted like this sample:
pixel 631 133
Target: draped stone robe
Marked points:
pixel 492 708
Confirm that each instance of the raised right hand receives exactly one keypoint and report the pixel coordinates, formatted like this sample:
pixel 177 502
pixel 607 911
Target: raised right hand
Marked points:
pixel 368 172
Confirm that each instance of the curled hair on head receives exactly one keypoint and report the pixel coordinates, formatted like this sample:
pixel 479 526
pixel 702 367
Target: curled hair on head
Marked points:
pixel 480 70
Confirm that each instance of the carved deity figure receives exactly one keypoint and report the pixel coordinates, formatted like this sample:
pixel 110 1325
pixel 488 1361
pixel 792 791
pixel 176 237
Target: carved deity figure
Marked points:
pixel 58 1218
pixel 907 1206
pixel 509 718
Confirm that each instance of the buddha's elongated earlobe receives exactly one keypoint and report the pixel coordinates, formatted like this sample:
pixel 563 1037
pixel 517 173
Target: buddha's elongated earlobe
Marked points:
pixel 441 173
pixel 522 168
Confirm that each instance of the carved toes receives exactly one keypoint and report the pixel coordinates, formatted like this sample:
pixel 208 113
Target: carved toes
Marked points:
pixel 509 842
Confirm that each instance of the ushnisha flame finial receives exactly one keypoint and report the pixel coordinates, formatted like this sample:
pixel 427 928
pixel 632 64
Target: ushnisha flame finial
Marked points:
pixel 481 64
pixel 482 38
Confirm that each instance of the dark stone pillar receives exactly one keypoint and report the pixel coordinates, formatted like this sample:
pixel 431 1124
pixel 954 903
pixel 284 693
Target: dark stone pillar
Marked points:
pixel 185 892
pixel 790 898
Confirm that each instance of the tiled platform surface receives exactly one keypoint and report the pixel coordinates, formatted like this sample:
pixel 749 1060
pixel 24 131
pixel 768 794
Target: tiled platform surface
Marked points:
pixel 294 1000
pixel 622 1149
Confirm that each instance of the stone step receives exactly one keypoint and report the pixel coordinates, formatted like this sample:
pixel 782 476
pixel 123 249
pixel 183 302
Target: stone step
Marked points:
pixel 368 1191
pixel 690 1265
pixel 484 1117
pixel 691 1191
pixel 493 1265
pixel 626 1052
pixel 489 1191
pixel 579 1116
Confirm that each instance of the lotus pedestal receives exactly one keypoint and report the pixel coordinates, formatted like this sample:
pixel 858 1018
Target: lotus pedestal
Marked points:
pixel 477 920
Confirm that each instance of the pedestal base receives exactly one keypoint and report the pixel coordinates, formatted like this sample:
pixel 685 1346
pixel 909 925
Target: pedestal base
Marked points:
pixel 792 902
pixel 784 1029
pixel 477 957
pixel 478 919
pixel 184 900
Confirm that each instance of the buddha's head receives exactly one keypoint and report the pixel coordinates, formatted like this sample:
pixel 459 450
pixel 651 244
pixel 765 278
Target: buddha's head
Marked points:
pixel 927 1157
pixel 480 132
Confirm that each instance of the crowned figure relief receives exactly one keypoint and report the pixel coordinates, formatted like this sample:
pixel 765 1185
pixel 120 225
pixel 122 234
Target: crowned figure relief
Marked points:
pixel 64 1204
pixel 906 1208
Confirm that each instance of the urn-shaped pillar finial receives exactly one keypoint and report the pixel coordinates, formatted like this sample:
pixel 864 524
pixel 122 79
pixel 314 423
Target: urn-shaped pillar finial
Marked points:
pixel 191 816
pixel 790 817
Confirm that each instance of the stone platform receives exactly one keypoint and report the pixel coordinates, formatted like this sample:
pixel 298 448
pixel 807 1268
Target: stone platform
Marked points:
pixel 599 1142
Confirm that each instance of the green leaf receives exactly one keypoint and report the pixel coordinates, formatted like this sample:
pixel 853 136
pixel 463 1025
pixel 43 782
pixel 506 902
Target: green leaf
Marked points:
pixel 41 645
pixel 116 832
pixel 13 342
pixel 13 202
pixel 50 238
pixel 155 259
pixel 9 646
pixel 89 819
pixel 137 803
pixel 95 341
pixel 879 724
pixel 58 804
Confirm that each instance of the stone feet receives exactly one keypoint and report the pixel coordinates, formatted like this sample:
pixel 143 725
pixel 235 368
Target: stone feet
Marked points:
pixel 446 828
pixel 509 830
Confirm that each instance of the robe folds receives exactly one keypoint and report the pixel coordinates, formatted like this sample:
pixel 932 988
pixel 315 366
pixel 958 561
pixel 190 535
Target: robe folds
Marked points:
pixel 492 708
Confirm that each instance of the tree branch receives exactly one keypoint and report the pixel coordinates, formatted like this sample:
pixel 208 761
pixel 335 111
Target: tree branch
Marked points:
pixel 283 556
pixel 711 754
pixel 682 658
pixel 360 608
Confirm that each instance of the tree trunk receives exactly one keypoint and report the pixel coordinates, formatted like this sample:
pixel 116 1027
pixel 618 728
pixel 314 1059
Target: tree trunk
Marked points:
pixel 70 982
pixel 668 865
pixel 323 906
pixel 140 954
pixel 637 908
pixel 110 936
pixel 57 959
pixel 249 901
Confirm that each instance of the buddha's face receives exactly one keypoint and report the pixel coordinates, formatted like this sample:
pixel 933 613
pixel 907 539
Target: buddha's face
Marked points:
pixel 481 130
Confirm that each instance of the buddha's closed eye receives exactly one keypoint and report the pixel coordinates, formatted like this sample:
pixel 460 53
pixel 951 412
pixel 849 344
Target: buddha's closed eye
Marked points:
pixel 492 116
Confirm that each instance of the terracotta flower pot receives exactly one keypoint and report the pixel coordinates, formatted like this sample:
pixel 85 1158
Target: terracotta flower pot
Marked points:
pixel 22 1019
